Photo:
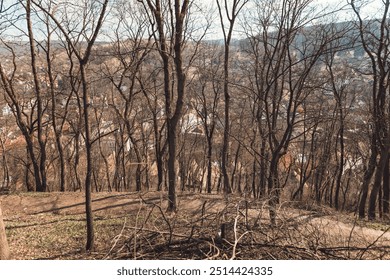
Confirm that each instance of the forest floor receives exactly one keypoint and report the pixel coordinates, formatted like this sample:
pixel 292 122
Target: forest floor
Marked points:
pixel 137 226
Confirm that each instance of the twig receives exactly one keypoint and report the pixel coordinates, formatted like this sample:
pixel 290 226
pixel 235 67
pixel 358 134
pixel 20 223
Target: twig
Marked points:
pixel 373 243
pixel 116 239
pixel 135 233
pixel 236 240
pixel 350 236
pixel 163 216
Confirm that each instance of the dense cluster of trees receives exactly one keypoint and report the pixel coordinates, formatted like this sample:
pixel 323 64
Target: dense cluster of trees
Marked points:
pixel 134 95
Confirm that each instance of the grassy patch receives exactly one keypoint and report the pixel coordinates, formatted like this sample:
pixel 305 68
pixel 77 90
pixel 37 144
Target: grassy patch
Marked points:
pixel 59 237
pixel 376 226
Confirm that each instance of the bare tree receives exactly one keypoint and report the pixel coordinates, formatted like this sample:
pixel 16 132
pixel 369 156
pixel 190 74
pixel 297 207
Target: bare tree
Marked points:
pixel 169 18
pixel 58 120
pixel 374 36
pixel 29 118
pixel 131 47
pixel 83 59
pixel 343 99
pixel 227 11
pixel 207 90
pixel 287 57
pixel 42 144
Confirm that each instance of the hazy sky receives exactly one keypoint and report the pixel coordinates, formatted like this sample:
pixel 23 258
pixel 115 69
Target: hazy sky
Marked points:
pixel 372 9
pixel 341 8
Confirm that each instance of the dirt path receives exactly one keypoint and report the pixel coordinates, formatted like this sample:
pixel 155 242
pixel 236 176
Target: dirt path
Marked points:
pixel 359 239
pixel 338 228
pixel 70 203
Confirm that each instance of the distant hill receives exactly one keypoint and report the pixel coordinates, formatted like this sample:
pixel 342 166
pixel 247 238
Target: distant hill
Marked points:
pixel 345 36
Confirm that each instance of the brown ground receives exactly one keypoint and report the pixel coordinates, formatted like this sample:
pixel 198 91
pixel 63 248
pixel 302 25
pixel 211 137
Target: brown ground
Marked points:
pixel 132 225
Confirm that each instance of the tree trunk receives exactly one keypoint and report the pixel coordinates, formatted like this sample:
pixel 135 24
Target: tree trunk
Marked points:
pixel 171 166
pixel 377 183
pixel 225 146
pixel 88 150
pixel 209 165
pixel 160 171
pixel 41 185
pixel 263 169
pixel 231 14
pixel 273 188
pixel 4 249
pixel 366 181
pixel 234 170
pixel 159 153
pixel 341 162
pixel 386 187
pixel 54 112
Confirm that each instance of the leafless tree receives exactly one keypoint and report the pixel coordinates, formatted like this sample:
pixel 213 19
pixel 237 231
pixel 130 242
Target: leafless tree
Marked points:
pixel 131 46
pixel 207 91
pixel 228 11
pixel 288 57
pixel 374 36
pixel 173 28
pixel 96 17
pixel 29 119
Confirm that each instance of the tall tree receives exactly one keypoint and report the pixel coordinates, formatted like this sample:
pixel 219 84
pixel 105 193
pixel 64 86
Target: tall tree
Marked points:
pixel 374 35
pixel 228 11
pixel 207 91
pixel 92 24
pixel 287 58
pixel 169 17
pixel 37 88
pixel 131 47
pixel 57 119
pixel 28 118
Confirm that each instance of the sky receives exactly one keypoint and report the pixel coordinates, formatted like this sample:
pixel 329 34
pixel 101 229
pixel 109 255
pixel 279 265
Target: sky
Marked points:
pixel 342 8
pixel 344 13
pixel 370 8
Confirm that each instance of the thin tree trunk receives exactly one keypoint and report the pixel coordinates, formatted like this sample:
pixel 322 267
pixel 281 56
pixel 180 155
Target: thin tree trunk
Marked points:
pixel 236 7
pixel 366 182
pixel 171 166
pixel 263 169
pixel 4 249
pixel 209 165
pixel 377 183
pixel 41 186
pixel 57 132
pixel 236 160
pixel 6 176
pixel 27 177
pixel 88 149
pixel 273 188
pixel 386 187
pixel 226 131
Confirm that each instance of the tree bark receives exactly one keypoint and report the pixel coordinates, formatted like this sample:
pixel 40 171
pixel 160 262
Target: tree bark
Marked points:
pixel 88 150
pixel 209 165
pixel 4 249
pixel 377 183
pixel 41 186
pixel 386 187
pixel 370 169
